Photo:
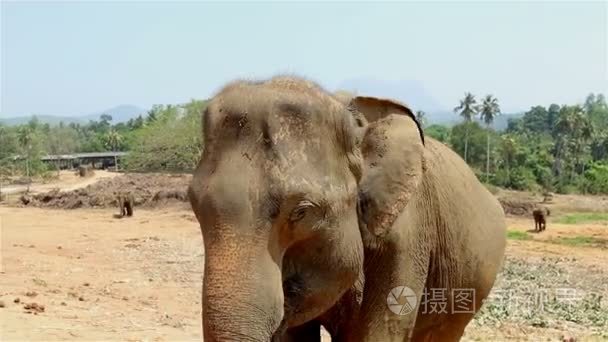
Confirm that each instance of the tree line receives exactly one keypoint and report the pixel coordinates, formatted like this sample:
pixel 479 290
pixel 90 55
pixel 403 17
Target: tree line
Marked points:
pixel 561 148
pixel 167 137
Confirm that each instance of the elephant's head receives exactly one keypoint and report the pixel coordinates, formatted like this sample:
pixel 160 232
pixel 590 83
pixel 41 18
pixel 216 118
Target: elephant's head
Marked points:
pixel 287 174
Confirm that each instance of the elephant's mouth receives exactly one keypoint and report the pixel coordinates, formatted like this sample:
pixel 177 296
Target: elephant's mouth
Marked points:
pixel 293 288
pixel 363 204
pixel 280 332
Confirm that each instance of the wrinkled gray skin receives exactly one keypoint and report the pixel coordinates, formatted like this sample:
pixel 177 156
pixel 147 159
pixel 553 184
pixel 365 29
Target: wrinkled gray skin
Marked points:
pixel 313 208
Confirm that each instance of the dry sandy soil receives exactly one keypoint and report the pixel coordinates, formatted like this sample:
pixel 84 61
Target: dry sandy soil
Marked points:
pixel 100 278
pixel 139 279
pixel 67 181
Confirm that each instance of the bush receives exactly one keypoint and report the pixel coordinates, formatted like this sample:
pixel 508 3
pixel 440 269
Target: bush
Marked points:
pixel 543 176
pixel 519 178
pixel 439 132
pixel 595 179
pixel 523 179
pixel 566 188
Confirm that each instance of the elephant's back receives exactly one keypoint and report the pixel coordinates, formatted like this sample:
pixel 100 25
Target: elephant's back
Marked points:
pixel 453 174
pixel 469 215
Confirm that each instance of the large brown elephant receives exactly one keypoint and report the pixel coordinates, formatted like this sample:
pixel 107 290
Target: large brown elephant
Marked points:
pixel 318 210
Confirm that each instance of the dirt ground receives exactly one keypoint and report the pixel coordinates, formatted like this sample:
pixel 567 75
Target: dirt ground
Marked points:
pixel 67 181
pixel 100 278
pixel 148 190
pixel 97 278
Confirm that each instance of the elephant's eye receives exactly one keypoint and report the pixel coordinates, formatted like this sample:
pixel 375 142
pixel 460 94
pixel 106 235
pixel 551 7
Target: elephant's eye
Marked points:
pixel 300 211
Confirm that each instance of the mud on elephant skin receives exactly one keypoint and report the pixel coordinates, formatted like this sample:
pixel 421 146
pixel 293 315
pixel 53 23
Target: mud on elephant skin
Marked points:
pixel 313 207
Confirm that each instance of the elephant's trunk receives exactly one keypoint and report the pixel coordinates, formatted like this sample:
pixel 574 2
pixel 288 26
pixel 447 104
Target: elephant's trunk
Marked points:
pixel 242 293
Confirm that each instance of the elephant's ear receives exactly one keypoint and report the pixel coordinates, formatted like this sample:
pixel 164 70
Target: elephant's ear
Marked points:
pixel 393 161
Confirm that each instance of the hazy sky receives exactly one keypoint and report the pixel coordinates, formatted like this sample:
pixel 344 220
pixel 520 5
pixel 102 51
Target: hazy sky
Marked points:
pixel 71 58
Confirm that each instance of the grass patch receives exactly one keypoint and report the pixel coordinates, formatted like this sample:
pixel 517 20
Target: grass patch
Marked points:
pixel 581 240
pixel 518 235
pixel 576 218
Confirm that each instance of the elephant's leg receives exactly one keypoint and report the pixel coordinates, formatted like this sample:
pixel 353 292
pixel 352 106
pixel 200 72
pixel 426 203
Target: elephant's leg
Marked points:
pixel 121 207
pixel 395 276
pixel 450 329
pixel 451 326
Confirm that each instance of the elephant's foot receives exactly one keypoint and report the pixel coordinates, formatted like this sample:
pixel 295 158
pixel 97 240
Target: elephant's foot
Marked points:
pixel 451 329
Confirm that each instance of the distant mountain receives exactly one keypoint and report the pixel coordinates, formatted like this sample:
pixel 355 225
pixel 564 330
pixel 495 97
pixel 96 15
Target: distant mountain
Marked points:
pixel 502 120
pixel 409 92
pixel 417 98
pixel 122 113
pixel 50 119
pixel 119 114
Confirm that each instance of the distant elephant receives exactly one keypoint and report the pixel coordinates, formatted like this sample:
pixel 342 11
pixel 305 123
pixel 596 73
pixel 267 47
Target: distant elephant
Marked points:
pixel 319 210
pixel 540 218
pixel 126 203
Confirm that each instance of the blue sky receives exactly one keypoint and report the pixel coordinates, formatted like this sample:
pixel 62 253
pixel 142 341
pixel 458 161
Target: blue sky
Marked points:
pixel 72 58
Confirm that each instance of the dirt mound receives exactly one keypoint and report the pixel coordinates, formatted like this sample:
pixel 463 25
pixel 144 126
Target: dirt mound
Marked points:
pixel 163 195
pixel 518 203
pixel 147 189
pixel 517 207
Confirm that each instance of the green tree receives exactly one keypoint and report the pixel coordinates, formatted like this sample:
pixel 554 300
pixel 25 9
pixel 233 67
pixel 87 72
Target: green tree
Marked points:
pixel 599 145
pixel 467 109
pixel 475 136
pixel 439 132
pixel 105 119
pixel 8 142
pixel 113 139
pixel 552 115
pixel 172 141
pixel 564 124
pixel 596 109
pixel 596 179
pixel 61 140
pixel 138 122
pixel 25 138
pixel 573 130
pixel 152 113
pixel 488 111
pixel 536 120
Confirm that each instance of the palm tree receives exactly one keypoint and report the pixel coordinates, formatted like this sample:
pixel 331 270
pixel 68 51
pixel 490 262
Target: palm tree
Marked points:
pixel 113 139
pixel 563 125
pixel 420 117
pixel 573 129
pixel 467 109
pixel 25 137
pixel 508 151
pixel 582 134
pixel 489 110
pixel 599 145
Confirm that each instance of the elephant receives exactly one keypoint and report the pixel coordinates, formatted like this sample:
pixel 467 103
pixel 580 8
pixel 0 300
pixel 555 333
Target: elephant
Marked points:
pixel 126 202
pixel 540 218
pixel 325 210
